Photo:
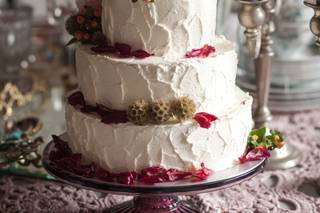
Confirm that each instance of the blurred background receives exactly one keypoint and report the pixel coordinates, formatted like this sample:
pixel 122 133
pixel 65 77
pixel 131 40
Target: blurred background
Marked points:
pixel 37 70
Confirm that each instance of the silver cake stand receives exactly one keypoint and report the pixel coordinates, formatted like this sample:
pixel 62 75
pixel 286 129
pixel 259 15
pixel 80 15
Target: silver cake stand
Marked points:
pixel 160 198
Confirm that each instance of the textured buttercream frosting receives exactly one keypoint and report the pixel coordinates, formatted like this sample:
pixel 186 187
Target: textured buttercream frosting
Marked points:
pixel 127 147
pixel 168 29
pixel 165 27
pixel 117 82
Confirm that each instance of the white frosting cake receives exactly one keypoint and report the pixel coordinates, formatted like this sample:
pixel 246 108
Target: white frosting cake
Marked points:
pixel 128 147
pixel 117 83
pixel 166 27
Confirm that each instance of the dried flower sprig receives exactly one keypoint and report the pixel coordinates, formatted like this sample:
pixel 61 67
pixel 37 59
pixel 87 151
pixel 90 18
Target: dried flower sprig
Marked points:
pixel 142 113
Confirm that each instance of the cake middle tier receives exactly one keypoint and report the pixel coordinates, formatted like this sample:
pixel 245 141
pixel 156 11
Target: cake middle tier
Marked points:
pixel 127 147
pixel 117 83
pixel 164 27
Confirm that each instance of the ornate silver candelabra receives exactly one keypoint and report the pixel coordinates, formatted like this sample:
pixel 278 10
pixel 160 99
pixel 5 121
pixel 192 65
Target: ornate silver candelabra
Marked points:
pixel 315 20
pixel 257 18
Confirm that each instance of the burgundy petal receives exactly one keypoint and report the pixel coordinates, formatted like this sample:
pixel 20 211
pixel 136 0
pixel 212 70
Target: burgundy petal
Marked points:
pixel 115 117
pixel 208 116
pixel 99 39
pixel 203 173
pixel 259 153
pixel 76 99
pixel 204 119
pixel 141 54
pixel 203 52
pixel 151 175
pixel 123 49
pixel 104 49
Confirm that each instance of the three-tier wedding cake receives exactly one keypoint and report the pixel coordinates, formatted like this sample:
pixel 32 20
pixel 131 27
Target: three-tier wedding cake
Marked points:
pixel 162 63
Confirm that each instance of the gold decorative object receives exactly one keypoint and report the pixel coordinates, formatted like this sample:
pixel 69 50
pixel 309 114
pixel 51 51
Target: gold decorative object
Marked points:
pixel 10 97
pixel 257 17
pixel 315 20
pixel 23 149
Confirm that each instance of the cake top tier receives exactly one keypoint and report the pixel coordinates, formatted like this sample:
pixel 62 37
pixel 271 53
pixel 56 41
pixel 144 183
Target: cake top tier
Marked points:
pixel 167 28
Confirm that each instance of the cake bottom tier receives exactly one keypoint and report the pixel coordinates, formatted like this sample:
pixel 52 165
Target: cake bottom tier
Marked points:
pixel 184 146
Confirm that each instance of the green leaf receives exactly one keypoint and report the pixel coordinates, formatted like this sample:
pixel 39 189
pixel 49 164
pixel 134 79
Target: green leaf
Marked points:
pixel 72 41
pixel 261 133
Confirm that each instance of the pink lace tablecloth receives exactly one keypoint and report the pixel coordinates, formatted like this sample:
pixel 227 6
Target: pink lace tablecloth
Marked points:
pixel 294 190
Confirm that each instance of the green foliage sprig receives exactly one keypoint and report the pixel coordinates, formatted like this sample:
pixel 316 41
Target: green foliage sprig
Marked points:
pixel 271 139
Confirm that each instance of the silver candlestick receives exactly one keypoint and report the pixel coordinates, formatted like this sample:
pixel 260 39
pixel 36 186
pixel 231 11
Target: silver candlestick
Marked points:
pixel 257 17
pixel 315 20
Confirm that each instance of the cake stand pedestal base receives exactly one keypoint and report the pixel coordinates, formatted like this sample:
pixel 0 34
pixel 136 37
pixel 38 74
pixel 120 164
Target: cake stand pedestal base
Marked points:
pixel 158 204
pixel 285 158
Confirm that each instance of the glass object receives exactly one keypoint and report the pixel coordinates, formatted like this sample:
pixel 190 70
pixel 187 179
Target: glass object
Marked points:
pixel 15 38
pixel 295 68
pixel 223 12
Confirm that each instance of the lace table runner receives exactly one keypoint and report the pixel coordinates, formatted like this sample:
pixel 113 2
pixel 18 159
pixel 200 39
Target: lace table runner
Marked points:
pixel 295 190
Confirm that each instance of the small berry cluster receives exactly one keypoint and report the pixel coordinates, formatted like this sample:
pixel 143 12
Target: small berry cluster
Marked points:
pixel 84 25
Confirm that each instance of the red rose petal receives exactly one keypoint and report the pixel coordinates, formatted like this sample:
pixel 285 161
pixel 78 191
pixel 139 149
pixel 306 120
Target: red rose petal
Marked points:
pixel 151 179
pixel 73 163
pixel 123 49
pixel 203 173
pixel 204 119
pixel 99 39
pixel 127 178
pixel 76 99
pixel 88 109
pixel 104 49
pixel 108 116
pixel 259 153
pixel 141 54
pixel 101 109
pixel 203 52
pixel 208 116
pixel 115 117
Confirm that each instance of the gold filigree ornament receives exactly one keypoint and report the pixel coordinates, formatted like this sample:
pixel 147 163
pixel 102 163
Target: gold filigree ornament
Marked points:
pixel 11 97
